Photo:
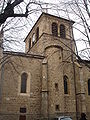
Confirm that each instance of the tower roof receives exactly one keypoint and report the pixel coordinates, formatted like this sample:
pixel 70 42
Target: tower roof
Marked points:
pixel 47 14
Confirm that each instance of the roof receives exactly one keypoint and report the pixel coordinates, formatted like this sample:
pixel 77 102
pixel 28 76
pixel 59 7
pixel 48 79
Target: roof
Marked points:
pixel 50 16
pixel 86 61
pixel 38 56
pixel 58 17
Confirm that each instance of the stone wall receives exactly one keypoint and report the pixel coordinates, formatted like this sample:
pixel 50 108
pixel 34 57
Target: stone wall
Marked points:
pixel 11 99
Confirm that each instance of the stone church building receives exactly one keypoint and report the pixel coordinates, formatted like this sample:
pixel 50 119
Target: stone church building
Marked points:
pixel 47 80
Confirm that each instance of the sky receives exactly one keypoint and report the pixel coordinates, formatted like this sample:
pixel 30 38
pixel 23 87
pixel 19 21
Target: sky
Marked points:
pixel 16 29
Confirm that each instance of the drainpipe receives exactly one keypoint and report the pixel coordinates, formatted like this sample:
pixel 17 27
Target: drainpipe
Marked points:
pixel 72 59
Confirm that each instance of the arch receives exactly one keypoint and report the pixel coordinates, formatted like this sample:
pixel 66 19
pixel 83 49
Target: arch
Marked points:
pixel 62 31
pixel 88 86
pixel 23 82
pixel 54 29
pixel 51 46
pixel 65 78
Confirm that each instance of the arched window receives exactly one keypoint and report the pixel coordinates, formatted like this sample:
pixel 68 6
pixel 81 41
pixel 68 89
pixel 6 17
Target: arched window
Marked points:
pixel 29 43
pixel 33 39
pixel 62 31
pixel 37 33
pixel 24 82
pixel 88 86
pixel 65 84
pixel 54 29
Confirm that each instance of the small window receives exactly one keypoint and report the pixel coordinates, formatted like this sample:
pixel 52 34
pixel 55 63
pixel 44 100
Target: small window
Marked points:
pixel 55 29
pixel 65 84
pixel 61 54
pixel 55 119
pixel 88 86
pixel 23 82
pixel 22 117
pixel 57 107
pixel 37 33
pixel 56 86
pixel 33 39
pixel 22 110
pixel 29 43
pixel 62 31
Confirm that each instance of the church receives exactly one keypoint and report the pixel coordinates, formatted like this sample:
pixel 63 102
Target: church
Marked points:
pixel 46 81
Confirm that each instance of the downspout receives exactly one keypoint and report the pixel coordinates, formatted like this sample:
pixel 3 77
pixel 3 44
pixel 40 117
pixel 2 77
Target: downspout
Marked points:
pixel 72 40
pixel 75 86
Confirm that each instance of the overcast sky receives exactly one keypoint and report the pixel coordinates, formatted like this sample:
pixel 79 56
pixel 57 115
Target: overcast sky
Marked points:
pixel 19 28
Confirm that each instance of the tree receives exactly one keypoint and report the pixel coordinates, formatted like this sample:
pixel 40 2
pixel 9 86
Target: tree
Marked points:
pixel 9 11
pixel 79 9
pixel 71 9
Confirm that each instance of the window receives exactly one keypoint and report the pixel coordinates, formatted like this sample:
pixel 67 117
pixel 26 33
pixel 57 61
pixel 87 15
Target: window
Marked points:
pixel 22 117
pixel 33 39
pixel 55 29
pixel 56 86
pixel 57 107
pixel 62 53
pixel 23 82
pixel 62 31
pixel 88 86
pixel 29 43
pixel 65 84
pixel 22 110
pixel 37 33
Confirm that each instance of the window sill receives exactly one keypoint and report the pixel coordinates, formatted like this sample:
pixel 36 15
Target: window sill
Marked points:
pixel 66 94
pixel 24 94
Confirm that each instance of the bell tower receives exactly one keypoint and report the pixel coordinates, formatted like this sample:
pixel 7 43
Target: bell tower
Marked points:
pixel 55 42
